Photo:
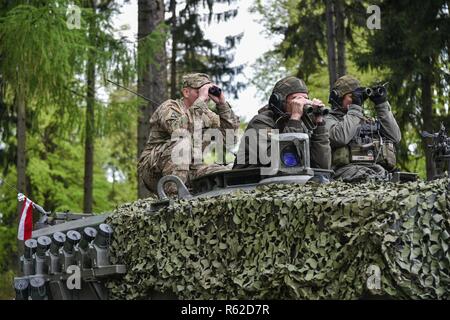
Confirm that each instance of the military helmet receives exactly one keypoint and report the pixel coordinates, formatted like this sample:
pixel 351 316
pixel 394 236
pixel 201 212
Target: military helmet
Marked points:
pixel 195 80
pixel 282 90
pixel 289 85
pixel 344 85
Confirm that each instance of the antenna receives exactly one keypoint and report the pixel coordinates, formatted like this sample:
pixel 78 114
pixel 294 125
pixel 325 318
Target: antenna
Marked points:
pixel 131 91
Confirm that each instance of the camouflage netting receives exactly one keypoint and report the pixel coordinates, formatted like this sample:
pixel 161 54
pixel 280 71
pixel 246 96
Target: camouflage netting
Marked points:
pixel 290 242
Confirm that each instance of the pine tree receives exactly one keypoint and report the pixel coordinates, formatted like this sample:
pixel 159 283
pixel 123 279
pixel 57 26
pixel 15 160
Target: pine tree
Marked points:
pixel 413 46
pixel 305 26
pixel 191 52
pixel 108 57
pixel 37 55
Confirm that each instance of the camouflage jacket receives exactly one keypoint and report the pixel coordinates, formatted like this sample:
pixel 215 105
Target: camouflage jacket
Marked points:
pixel 342 127
pixel 266 119
pixel 172 116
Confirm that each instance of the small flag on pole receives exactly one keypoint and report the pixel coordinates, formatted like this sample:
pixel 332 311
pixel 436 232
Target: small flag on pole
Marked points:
pixel 26 218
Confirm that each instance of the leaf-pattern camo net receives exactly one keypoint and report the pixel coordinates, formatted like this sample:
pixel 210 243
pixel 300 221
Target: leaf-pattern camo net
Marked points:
pixel 335 241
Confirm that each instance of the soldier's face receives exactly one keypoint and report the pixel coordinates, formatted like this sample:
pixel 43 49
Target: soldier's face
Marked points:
pixel 190 95
pixel 347 101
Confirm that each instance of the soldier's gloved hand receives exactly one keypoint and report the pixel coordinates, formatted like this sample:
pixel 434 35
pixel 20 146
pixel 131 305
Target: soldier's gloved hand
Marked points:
pixel 358 96
pixel 379 95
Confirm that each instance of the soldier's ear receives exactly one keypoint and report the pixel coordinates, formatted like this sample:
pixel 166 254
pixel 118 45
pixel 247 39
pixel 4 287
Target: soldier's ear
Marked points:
pixel 185 92
pixel 276 103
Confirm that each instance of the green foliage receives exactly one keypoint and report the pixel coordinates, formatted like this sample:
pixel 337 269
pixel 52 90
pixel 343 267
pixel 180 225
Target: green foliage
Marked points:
pixel 6 287
pixel 412 47
pixel 38 49
pixel 289 242
pixel 44 60
pixel 303 46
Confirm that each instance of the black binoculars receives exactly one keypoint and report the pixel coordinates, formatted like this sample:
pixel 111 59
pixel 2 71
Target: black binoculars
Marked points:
pixel 375 91
pixel 320 111
pixel 379 90
pixel 215 91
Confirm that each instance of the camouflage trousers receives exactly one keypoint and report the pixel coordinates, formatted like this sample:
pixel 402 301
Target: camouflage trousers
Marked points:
pixel 359 172
pixel 151 176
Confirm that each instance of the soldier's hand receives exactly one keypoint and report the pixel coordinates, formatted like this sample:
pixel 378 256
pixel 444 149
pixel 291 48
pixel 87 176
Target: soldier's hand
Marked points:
pixel 317 104
pixel 379 95
pixel 295 107
pixel 218 100
pixel 203 92
pixel 358 96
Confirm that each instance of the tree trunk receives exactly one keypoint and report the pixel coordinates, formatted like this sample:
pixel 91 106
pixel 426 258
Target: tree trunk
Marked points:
pixel 173 58
pixel 21 163
pixel 21 144
pixel 152 82
pixel 427 116
pixel 331 44
pixel 90 122
pixel 340 35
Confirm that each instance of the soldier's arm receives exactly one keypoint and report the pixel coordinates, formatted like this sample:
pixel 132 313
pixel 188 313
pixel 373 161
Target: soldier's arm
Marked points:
pixel 294 126
pixel 228 119
pixel 248 148
pixel 320 148
pixel 342 132
pixel 171 118
pixel 388 124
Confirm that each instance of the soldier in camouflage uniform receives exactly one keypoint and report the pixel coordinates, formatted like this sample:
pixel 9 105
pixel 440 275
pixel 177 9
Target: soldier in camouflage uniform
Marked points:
pixel 287 118
pixel 362 148
pixel 174 119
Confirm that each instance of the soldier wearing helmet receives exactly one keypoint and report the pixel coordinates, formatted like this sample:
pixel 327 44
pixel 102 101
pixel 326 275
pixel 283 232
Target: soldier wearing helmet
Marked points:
pixel 174 119
pixel 285 113
pixel 362 148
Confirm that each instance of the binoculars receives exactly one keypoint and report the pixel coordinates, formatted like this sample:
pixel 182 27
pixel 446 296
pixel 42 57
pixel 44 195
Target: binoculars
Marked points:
pixel 374 91
pixel 321 111
pixel 215 91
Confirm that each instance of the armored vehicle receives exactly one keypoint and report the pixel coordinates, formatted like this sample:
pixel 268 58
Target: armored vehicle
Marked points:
pixel 293 234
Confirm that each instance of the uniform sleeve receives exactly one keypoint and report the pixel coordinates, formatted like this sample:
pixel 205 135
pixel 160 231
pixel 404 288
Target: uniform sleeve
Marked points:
pixel 171 119
pixel 228 120
pixel 388 124
pixel 320 148
pixel 342 132
pixel 294 126
pixel 248 147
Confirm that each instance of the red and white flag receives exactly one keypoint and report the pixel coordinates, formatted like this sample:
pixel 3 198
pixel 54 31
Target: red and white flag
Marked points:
pixel 26 219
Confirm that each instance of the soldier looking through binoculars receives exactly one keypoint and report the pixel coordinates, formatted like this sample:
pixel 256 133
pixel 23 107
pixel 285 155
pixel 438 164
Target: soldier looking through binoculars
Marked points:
pixel 362 148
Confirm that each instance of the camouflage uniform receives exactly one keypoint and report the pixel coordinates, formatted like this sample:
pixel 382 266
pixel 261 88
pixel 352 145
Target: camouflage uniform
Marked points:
pixel 343 128
pixel 169 123
pixel 267 119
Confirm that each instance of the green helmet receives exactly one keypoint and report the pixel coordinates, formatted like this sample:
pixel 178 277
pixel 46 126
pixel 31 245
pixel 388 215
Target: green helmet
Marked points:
pixel 289 85
pixel 344 85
